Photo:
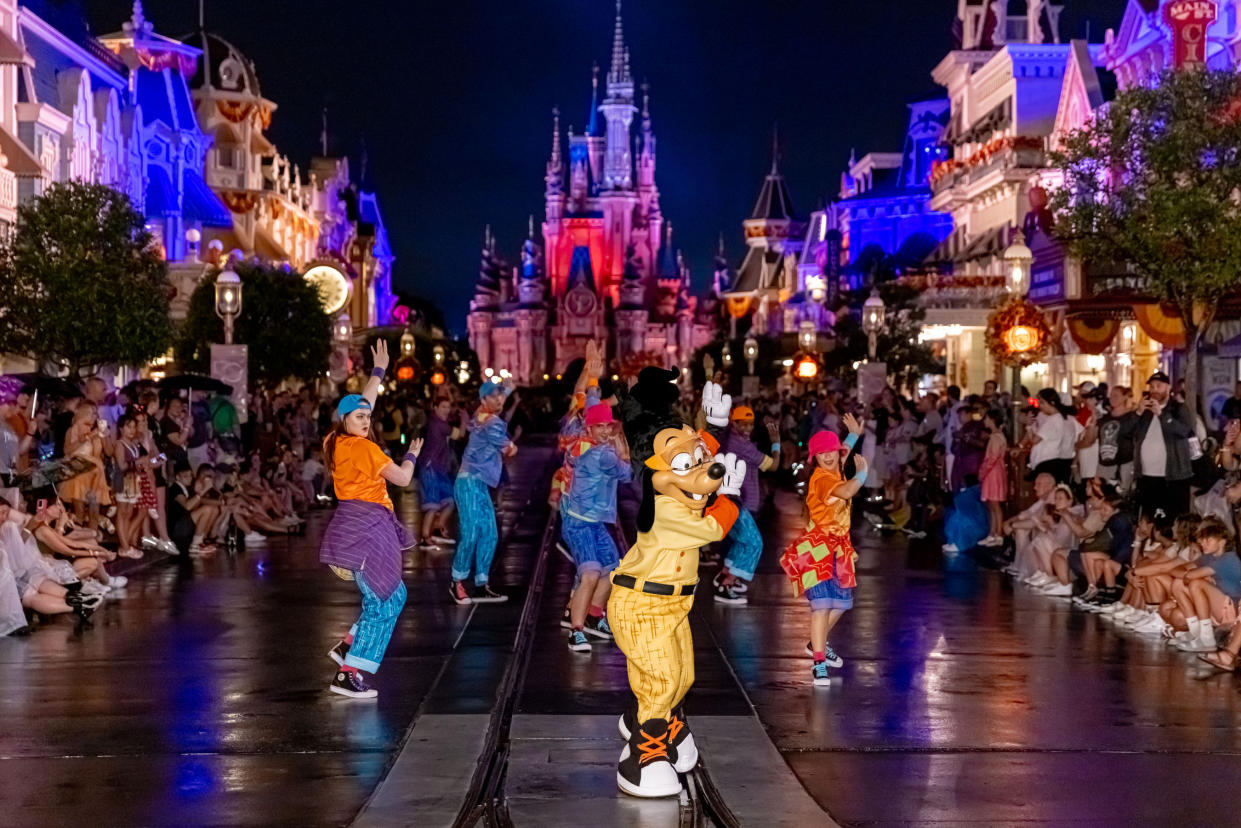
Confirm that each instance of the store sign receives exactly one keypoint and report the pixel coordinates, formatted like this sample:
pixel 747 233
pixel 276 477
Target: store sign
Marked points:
pixel 1047 284
pixel 1189 20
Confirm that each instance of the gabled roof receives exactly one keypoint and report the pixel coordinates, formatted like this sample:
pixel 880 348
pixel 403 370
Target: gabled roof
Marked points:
pixel 762 269
pixel 774 202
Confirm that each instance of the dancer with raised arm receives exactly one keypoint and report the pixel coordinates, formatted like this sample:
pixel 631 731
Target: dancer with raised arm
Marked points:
pixel 363 543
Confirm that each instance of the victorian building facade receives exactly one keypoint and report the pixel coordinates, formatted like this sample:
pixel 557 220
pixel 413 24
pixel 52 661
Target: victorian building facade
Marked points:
pixel 603 267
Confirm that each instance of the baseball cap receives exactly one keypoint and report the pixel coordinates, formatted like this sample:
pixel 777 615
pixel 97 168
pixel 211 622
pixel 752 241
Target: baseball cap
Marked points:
pixel 350 403
pixel 1159 376
pixel 742 414
pixel 1086 389
pixel 824 441
pixel 488 388
pixel 599 414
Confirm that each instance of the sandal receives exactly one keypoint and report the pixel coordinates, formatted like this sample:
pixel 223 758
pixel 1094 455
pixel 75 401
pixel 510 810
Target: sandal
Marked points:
pixel 1216 660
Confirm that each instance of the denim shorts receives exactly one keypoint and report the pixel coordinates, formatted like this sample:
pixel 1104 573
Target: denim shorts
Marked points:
pixel 830 595
pixel 591 544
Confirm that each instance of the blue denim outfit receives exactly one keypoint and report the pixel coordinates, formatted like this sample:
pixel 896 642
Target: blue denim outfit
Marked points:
pixel 374 627
pixel 477 545
pixel 592 493
pixel 591 544
pixel 830 595
pixel 483 458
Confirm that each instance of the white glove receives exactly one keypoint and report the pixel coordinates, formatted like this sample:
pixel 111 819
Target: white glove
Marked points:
pixel 734 474
pixel 716 404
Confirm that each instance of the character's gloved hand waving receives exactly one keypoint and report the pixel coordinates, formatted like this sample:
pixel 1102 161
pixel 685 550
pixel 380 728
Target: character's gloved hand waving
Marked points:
pixel 734 473
pixel 716 404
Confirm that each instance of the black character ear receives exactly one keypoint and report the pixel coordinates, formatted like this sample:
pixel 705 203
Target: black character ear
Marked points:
pixel 646 512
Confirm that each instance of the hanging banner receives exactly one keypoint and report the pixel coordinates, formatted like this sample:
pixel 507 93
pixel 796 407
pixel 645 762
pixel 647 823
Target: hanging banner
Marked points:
pixel 1162 323
pixel 1093 334
pixel 831 269
pixel 1189 20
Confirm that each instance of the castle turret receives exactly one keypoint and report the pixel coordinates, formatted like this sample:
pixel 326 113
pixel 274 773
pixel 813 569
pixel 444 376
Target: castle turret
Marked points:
pixel 618 110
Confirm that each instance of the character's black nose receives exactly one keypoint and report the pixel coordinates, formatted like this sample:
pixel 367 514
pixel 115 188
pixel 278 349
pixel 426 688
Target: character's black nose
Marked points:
pixel 717 471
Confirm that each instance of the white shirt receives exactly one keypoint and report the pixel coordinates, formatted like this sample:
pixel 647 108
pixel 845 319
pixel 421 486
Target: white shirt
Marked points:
pixel 1154 452
pixel 1052 430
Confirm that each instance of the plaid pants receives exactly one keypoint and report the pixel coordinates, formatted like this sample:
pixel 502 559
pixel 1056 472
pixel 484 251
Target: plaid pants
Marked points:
pixel 374 627
pixel 653 632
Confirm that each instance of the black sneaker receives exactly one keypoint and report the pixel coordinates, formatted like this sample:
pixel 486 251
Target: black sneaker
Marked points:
pixel 644 768
pixel 484 594
pixel 578 642
pixel 338 652
pixel 349 683
pixel 598 627
pixel 566 620
pixel 459 593
pixel 729 595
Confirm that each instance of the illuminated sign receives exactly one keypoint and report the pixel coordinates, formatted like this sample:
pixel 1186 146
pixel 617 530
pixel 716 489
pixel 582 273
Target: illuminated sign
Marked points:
pixel 1189 20
pixel 333 285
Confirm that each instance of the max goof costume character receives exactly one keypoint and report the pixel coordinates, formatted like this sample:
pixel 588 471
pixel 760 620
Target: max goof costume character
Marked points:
pixel 653 590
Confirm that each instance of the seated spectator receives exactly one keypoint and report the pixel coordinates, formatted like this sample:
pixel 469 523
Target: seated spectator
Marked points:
pixel 1207 594
pixel 1103 566
pixel 33 579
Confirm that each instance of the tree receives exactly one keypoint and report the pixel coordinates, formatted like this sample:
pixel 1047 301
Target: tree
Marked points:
pixel 899 347
pixel 1152 185
pixel 81 282
pixel 282 323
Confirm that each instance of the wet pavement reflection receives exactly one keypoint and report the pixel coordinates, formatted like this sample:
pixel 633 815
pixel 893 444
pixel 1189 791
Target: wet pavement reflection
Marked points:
pixel 963 699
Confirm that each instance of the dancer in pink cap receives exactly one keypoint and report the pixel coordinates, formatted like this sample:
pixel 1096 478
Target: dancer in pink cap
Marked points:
pixel 820 561
pixel 585 512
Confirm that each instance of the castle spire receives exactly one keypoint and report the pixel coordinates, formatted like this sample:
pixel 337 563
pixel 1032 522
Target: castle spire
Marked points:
pixel 554 178
pixel 619 72
pixel 556 137
pixel 648 134
pixel 775 148
pixel 592 118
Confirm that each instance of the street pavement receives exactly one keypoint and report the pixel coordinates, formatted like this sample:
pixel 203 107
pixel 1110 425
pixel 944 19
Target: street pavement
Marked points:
pixel 200 699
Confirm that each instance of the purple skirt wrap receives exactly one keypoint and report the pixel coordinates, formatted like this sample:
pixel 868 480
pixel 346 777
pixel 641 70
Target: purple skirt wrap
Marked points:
pixel 367 538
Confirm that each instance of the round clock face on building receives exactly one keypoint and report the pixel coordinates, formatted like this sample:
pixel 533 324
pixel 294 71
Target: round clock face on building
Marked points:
pixel 333 286
pixel 580 302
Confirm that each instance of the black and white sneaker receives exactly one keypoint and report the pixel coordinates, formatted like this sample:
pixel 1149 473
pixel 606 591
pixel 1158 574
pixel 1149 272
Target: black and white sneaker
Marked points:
pixel 484 594
pixel 645 769
pixel 338 652
pixel 578 642
pixel 459 594
pixel 565 620
pixel 729 595
pixel 598 627
pixel 682 750
pixel 349 683
pixel 830 657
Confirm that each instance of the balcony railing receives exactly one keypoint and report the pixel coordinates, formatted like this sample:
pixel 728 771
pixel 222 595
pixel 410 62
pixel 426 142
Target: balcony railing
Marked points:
pixel 1002 153
pixel 956 291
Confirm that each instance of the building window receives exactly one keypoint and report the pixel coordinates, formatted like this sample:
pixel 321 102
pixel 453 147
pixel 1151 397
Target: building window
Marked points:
pixel 226 158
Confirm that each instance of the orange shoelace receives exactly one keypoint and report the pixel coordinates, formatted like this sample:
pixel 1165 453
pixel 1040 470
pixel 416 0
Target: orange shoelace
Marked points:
pixel 674 727
pixel 655 747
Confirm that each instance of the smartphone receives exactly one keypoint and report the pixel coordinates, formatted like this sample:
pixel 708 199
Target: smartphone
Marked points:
pixel 102 425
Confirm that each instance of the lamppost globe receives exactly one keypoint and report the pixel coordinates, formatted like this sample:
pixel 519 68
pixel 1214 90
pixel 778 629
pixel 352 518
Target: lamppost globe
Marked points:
pixel 808 336
pixel 1018 258
pixel 228 301
pixel 407 343
pixel 874 314
pixel 751 351
pixel 342 329
pixel 726 355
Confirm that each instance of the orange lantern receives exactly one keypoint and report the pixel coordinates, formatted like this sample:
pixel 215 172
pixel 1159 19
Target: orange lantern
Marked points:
pixel 1021 338
pixel 437 378
pixel 806 369
pixel 405 373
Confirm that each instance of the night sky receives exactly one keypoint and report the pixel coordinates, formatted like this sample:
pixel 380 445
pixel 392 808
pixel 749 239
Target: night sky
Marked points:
pixel 453 100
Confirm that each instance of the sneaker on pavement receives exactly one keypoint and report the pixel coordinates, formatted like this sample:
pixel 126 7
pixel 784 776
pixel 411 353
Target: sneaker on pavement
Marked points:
pixel 682 750
pixel 459 594
pixel 578 642
pixel 645 769
pixel 729 595
pixel 950 548
pixel 565 620
pixel 116 582
pixel 818 674
pixel 1058 590
pixel 484 594
pixel 830 657
pixel 992 541
pixel 349 683
pixel 339 652
pixel 598 627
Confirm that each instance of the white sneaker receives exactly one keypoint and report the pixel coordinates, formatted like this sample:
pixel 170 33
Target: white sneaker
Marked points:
pixel 1112 609
pixel 117 582
pixel 1198 645
pixel 950 548
pixel 255 537
pixel 93 588
pixel 1150 626
pixel 1041 579
pixel 1058 590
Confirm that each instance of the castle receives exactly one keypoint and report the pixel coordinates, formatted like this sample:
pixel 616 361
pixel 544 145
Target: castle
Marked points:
pixel 607 269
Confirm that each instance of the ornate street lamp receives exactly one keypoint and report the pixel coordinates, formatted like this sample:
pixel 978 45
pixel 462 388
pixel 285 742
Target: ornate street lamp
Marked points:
pixel 751 351
pixel 874 313
pixel 438 354
pixel 342 329
pixel 726 356
pixel 407 343
pixel 808 336
pixel 228 301
pixel 1018 258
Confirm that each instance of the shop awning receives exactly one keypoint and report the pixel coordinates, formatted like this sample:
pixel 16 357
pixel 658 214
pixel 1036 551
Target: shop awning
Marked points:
pixel 21 161
pixel 202 204
pixel 11 52
pixel 161 196
pixel 1093 334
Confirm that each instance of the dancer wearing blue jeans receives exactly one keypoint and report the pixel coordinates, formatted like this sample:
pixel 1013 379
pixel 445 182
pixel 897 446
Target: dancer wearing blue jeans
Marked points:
pixel 481 465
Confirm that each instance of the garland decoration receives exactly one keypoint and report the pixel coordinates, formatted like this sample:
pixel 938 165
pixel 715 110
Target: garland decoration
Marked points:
pixel 1017 334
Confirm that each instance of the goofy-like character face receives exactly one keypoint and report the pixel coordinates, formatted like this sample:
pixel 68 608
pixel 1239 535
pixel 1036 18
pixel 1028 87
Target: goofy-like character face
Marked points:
pixel 683 467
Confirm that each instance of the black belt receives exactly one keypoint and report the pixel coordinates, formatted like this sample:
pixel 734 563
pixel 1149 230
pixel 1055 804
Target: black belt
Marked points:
pixel 630 582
